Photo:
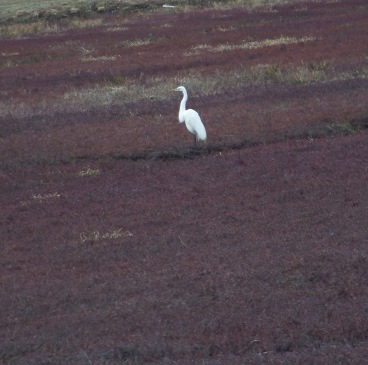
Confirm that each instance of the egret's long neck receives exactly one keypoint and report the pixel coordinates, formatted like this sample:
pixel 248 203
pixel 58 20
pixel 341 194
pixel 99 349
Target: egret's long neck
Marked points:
pixel 182 106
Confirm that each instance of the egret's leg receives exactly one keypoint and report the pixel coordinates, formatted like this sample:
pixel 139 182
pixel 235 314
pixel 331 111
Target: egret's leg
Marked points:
pixel 195 140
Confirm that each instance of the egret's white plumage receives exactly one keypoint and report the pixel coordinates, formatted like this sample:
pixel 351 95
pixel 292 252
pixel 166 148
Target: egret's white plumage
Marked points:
pixel 191 118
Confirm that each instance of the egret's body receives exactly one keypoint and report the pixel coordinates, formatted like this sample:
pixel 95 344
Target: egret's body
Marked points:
pixel 191 118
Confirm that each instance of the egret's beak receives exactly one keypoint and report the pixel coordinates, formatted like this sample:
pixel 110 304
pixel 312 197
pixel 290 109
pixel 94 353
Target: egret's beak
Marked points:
pixel 173 90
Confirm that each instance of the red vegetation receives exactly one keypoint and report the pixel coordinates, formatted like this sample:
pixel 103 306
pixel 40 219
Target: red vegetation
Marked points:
pixel 238 255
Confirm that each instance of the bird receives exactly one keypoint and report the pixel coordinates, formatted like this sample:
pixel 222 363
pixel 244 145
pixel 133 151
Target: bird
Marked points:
pixel 191 118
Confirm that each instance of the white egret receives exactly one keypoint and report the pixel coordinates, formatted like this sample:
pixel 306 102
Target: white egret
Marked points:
pixel 191 118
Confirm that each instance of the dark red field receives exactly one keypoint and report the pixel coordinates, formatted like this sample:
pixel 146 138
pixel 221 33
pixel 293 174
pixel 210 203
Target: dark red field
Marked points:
pixel 122 244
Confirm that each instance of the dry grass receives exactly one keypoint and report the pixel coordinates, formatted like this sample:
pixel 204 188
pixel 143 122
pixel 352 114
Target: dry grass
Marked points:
pixel 137 42
pixel 79 23
pixel 42 26
pixel 249 45
pixel 117 29
pixel 46 196
pixel 89 172
pixel 268 4
pixel 21 29
pixel 99 58
pixel 97 236
pixel 41 197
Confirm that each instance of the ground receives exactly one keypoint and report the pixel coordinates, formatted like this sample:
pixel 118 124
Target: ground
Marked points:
pixel 124 244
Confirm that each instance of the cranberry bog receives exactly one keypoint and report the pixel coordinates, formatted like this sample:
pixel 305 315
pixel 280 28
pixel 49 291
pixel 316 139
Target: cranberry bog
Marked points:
pixel 121 243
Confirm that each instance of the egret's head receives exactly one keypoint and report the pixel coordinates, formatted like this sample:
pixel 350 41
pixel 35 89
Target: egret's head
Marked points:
pixel 180 88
